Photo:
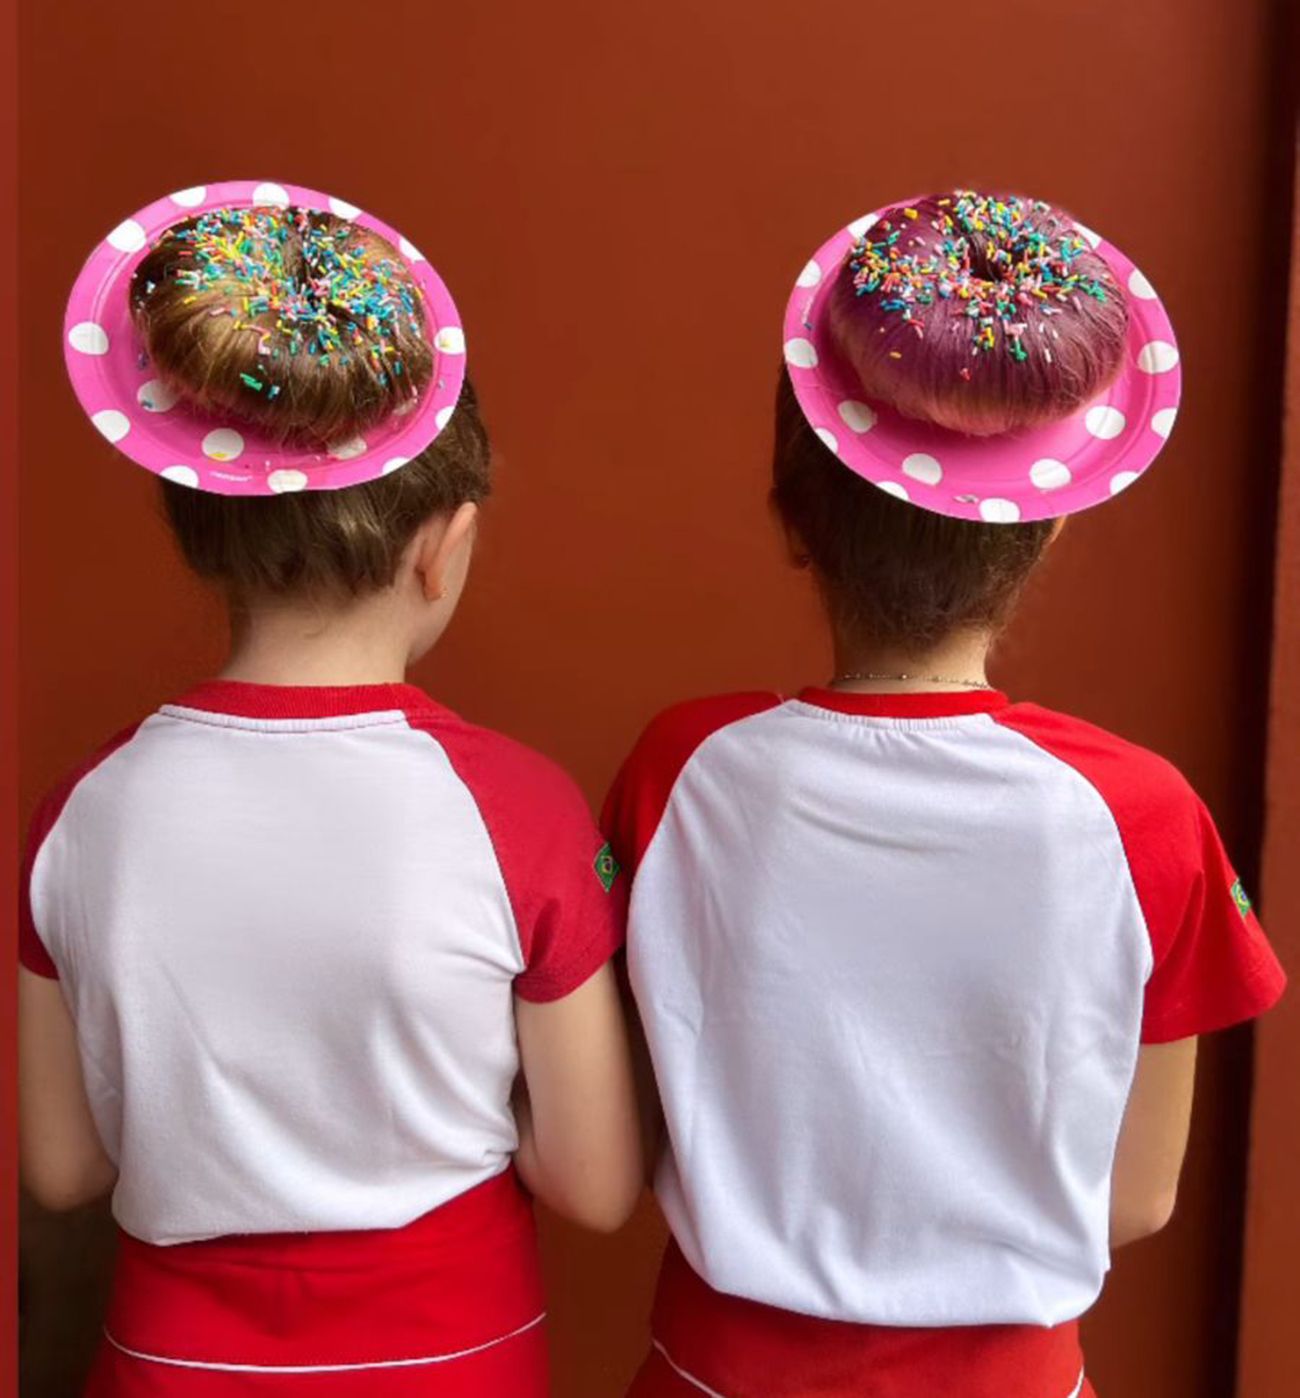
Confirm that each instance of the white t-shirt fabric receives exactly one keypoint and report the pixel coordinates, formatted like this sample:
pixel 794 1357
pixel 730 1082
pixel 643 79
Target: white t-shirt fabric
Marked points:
pixel 290 924
pixel 894 957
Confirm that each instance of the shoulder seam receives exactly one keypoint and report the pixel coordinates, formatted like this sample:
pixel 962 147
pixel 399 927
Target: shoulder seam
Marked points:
pixel 1114 821
pixel 91 767
pixel 779 702
pixel 416 727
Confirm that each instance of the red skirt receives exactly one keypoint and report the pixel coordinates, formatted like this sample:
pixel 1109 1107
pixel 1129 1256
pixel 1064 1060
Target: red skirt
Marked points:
pixel 449 1306
pixel 724 1346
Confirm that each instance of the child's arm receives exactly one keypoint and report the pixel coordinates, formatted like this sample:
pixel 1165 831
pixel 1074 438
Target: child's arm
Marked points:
pixel 579 1138
pixel 650 1108
pixel 63 1162
pixel 1152 1141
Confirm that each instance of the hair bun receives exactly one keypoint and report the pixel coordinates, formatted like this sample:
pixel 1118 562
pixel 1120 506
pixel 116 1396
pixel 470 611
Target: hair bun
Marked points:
pixel 980 313
pixel 297 321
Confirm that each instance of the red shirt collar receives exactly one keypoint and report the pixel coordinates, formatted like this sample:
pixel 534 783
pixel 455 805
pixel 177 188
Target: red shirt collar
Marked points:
pixel 240 699
pixel 926 704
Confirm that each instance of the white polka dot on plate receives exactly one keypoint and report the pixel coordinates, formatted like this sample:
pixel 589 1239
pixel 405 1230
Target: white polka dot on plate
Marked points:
pixel 811 274
pixel 1104 421
pixel 858 417
pixel 156 396
pixel 182 475
pixel 895 488
pixel 410 250
pixel 800 353
pixel 343 208
pixel 271 194
pixel 923 467
pixel 1049 474
pixel 285 482
pixel 113 424
pixel 88 337
pixel 223 444
pixel 827 438
pixel 1121 480
pixel 189 199
pixel 443 416
pixel 860 225
pixel 1157 357
pixel 345 451
pixel 1086 232
pixel 1162 420
pixel 998 511
pixel 128 236
pixel 1140 287
pixel 394 463
pixel 450 340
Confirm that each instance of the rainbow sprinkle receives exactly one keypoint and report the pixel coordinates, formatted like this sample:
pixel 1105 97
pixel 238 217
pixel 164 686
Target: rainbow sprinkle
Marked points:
pixel 1034 266
pixel 337 300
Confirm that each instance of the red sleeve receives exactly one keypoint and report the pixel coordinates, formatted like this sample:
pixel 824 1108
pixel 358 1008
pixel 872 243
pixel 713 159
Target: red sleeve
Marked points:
pixel 1212 966
pixel 565 890
pixel 637 800
pixel 33 952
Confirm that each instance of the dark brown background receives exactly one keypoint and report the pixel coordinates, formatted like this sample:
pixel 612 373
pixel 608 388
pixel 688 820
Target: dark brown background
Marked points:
pixel 620 196
pixel 1267 1355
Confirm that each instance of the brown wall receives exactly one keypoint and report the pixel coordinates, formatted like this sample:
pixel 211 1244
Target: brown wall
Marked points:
pixel 620 196
pixel 1273 1238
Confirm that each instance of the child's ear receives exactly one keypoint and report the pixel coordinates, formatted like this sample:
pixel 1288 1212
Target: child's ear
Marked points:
pixel 440 545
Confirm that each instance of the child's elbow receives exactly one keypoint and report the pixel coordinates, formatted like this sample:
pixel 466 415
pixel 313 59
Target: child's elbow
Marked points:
pixel 61 1188
pixel 599 1210
pixel 601 1216
pixel 1134 1219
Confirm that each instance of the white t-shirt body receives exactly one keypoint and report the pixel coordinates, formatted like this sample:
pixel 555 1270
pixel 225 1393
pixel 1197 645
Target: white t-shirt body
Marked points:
pixel 894 956
pixel 290 925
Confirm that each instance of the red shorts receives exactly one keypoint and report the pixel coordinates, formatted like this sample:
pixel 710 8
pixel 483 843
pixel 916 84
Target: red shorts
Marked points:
pixel 449 1306
pixel 706 1343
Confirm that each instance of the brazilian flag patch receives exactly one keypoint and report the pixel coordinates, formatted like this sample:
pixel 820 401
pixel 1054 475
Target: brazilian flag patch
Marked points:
pixel 607 867
pixel 1240 898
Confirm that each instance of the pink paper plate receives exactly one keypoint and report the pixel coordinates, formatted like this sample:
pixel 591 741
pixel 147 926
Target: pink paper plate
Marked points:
pixel 125 400
pixel 1042 473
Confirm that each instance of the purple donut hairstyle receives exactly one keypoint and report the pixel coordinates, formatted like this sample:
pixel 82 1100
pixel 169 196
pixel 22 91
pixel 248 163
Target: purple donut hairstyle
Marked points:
pixel 980 313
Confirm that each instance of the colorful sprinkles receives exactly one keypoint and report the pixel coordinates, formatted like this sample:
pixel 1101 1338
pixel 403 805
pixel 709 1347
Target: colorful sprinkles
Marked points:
pixel 336 299
pixel 1034 260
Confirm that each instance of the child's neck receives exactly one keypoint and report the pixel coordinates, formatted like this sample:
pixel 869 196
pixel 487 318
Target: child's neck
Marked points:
pixel 956 663
pixel 315 645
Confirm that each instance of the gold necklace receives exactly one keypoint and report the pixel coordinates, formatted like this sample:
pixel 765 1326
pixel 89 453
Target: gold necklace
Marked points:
pixel 859 675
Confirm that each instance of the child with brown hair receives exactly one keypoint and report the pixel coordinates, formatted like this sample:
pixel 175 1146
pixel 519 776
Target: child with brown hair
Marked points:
pixel 315 972
pixel 921 969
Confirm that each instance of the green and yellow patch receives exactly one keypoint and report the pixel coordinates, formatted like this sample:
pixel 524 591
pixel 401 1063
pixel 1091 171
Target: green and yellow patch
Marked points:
pixel 607 867
pixel 1240 898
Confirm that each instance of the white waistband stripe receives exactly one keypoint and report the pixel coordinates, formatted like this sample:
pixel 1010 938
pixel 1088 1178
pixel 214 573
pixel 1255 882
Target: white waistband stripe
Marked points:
pixel 713 1392
pixel 322 1368
pixel 690 1378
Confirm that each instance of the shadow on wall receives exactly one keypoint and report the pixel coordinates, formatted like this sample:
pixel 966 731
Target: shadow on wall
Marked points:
pixel 63 1273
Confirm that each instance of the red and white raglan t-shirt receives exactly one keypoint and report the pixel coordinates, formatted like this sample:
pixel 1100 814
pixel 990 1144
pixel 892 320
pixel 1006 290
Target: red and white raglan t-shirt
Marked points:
pixel 895 956
pixel 289 924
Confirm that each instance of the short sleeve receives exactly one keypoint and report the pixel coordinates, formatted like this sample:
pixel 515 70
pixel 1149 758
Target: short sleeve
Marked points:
pixel 1213 966
pixel 640 792
pixel 34 941
pixel 566 891
pixel 576 919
